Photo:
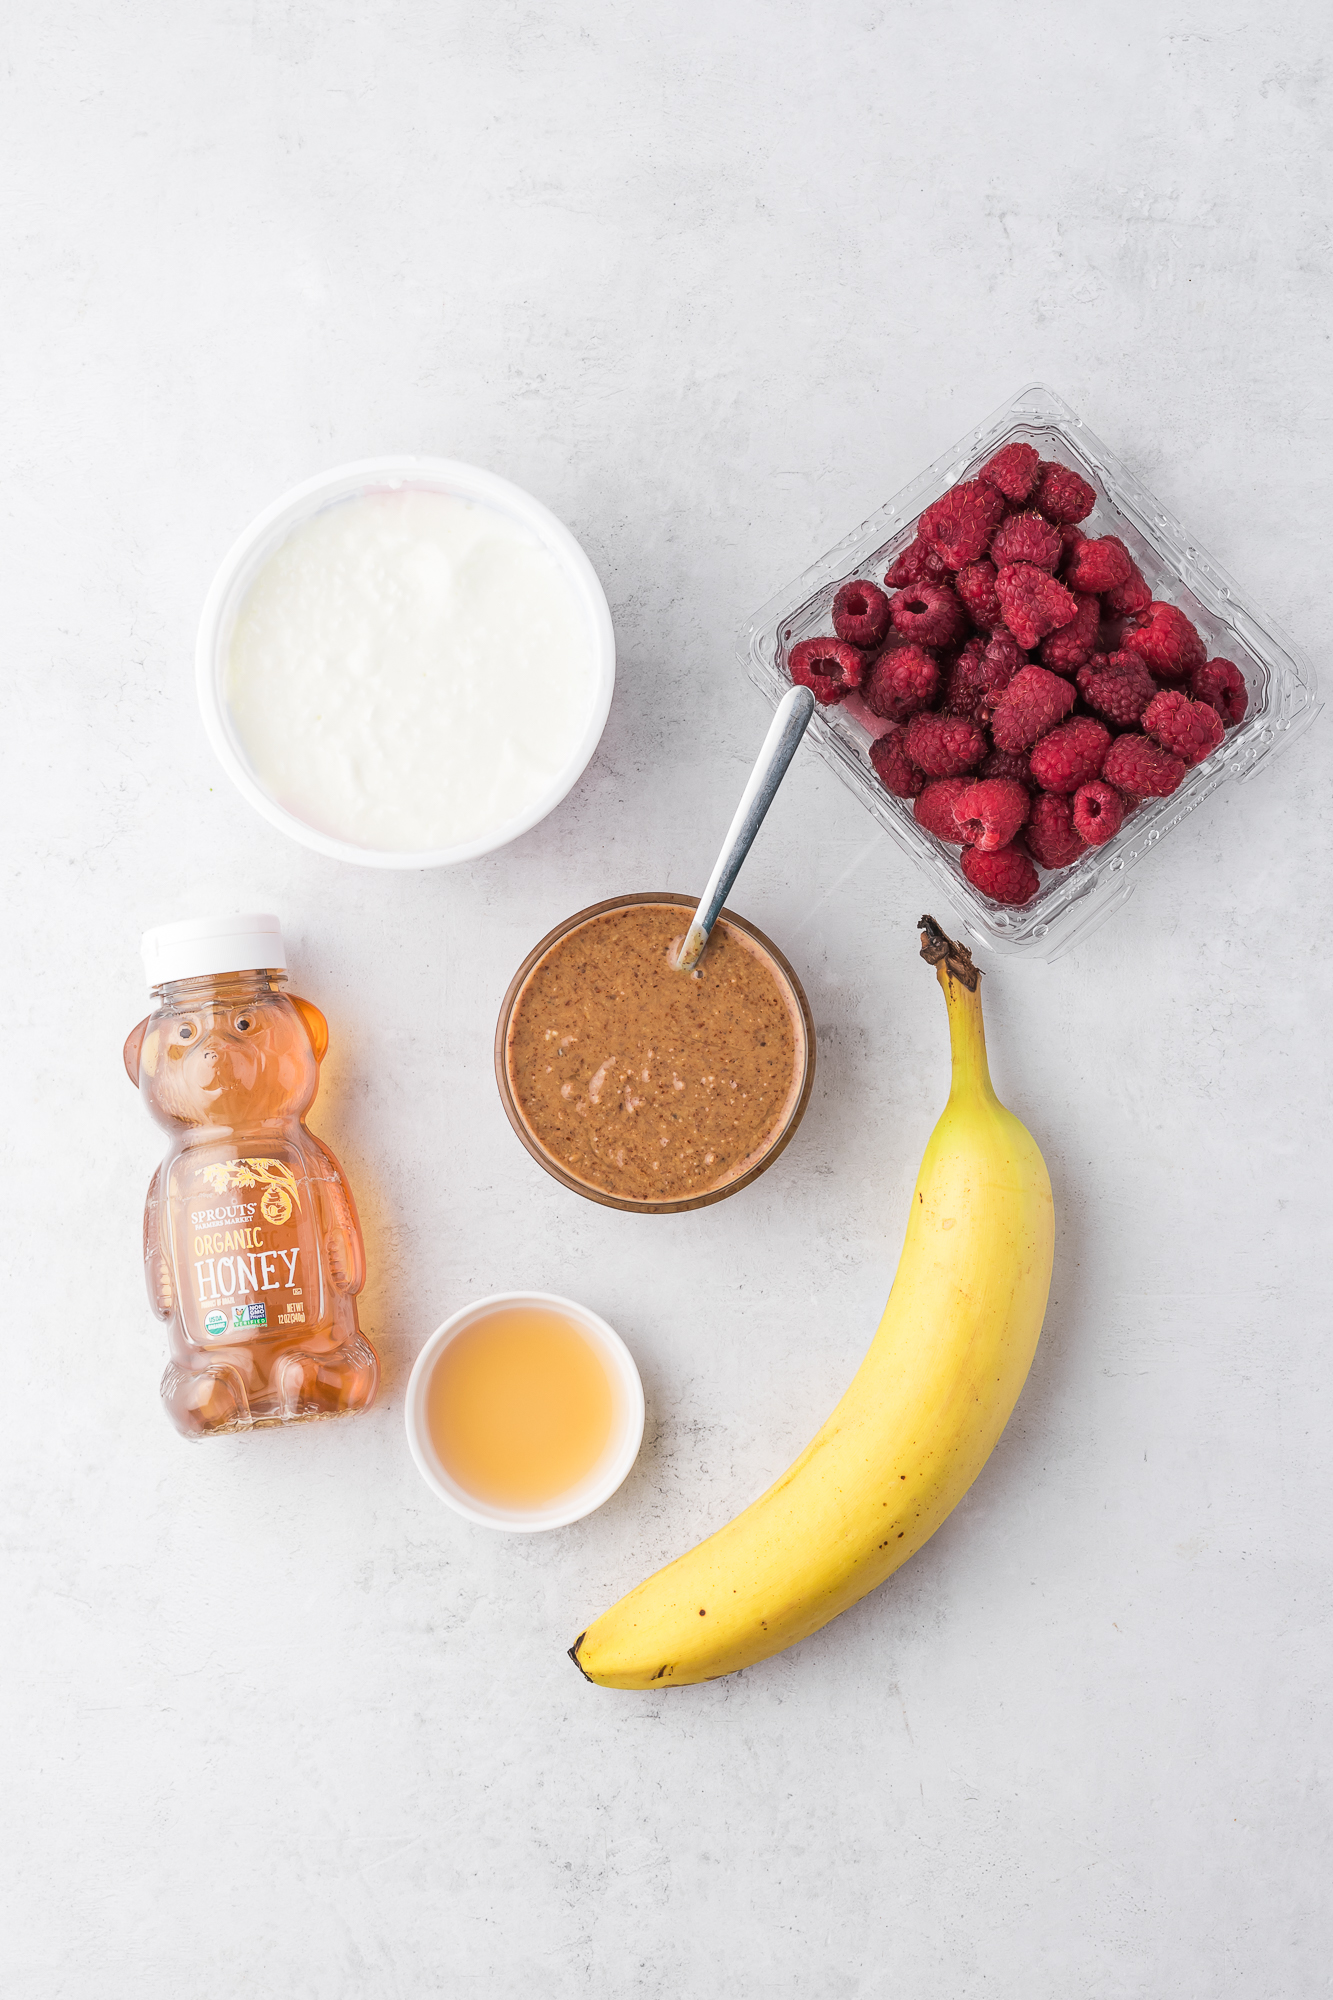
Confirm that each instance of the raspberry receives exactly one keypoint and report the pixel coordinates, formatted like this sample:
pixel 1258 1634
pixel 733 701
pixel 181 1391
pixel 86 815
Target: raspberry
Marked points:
pixel 934 808
pixel 1098 565
pixel 1012 471
pixel 1061 495
pixel 1070 539
pixel 1099 812
pixel 1222 685
pixel 861 615
pixel 1118 687
pixel 1033 603
pixel 1007 764
pixel 979 676
pixel 990 812
pixel 1051 835
pixel 1141 768
pixel 1026 538
pixel 1075 643
pixel 1004 656
pixel 999 663
pixel 960 524
pixel 1067 757
pixel 902 680
pixel 1006 876
pixel 1132 595
pixel 964 682
pixel 917 564
pixel 944 746
pixel 928 613
pixel 894 768
pixel 828 667
pixel 1034 701
pixel 975 584
pixel 1168 642
pixel 1189 729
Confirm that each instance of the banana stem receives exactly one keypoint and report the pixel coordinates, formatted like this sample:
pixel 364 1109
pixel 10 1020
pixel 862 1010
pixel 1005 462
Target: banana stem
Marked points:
pixel 960 983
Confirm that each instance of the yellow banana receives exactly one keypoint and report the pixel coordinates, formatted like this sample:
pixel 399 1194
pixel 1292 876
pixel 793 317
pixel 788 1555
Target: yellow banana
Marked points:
pixel 917 1424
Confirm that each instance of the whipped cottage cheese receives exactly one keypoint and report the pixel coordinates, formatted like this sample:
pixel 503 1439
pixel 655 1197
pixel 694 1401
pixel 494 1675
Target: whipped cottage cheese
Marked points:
pixel 409 671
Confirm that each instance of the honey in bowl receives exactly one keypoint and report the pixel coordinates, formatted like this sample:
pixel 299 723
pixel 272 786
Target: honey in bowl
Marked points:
pixel 646 1087
pixel 520 1407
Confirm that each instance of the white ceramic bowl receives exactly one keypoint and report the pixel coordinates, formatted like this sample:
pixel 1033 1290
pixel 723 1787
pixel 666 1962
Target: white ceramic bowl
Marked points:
pixel 611 1469
pixel 345 482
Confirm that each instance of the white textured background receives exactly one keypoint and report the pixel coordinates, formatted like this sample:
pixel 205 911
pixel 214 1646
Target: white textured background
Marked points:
pixel 712 281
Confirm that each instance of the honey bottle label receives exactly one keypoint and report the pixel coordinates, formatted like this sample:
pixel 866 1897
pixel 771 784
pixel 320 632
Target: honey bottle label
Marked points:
pixel 246 1242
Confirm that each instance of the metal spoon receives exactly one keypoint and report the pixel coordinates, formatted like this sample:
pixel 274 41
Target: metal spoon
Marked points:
pixel 787 729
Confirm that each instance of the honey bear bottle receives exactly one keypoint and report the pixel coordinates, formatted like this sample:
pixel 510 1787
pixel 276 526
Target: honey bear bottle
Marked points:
pixel 252 1250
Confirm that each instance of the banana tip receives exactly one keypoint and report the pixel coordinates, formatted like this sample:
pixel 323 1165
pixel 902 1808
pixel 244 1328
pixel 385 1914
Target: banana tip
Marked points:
pixel 574 1656
pixel 938 949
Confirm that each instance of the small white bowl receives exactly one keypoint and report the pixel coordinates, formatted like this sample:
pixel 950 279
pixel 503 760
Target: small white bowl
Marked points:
pixel 271 528
pixel 611 1469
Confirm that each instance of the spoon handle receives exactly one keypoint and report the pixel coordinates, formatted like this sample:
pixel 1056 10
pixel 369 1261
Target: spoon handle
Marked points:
pixel 787 729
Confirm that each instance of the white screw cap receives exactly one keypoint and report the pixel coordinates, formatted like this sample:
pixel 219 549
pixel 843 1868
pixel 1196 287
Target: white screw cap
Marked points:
pixel 250 942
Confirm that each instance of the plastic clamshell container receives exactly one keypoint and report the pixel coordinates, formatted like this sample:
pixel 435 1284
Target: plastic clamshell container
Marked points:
pixel 1071 901
pixel 269 530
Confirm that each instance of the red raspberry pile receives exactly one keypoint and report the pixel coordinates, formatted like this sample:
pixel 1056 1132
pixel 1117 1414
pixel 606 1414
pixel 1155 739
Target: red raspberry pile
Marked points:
pixel 1039 693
